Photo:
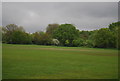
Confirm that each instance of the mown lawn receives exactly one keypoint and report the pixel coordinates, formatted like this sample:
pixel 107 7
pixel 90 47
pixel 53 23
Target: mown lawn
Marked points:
pixel 51 62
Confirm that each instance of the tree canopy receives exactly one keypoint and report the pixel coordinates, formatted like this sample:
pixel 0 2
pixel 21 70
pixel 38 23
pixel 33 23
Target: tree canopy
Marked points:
pixel 14 34
pixel 64 35
pixel 50 28
pixel 104 38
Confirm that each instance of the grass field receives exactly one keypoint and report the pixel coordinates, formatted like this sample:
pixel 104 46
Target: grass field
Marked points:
pixel 51 62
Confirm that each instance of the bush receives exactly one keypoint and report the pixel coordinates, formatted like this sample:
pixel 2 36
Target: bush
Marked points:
pixel 89 43
pixel 55 42
pixel 78 42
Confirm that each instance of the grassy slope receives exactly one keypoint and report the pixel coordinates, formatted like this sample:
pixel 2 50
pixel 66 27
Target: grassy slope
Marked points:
pixel 50 62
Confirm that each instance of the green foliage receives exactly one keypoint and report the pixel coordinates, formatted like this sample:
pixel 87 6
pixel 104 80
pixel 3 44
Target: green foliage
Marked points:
pixel 89 43
pixel 78 42
pixel 66 32
pixel 11 28
pixel 14 34
pixel 115 28
pixel 19 37
pixel 65 35
pixel 85 34
pixel 67 42
pixel 42 38
pixel 51 28
pixel 104 38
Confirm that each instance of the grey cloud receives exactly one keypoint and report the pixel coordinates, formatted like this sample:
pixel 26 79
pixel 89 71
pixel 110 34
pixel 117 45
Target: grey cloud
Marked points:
pixel 35 16
pixel 0 13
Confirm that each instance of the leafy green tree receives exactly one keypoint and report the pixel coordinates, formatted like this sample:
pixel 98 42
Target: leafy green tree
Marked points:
pixel 114 26
pixel 19 37
pixel 104 38
pixel 115 29
pixel 84 34
pixel 90 41
pixel 42 38
pixel 66 33
pixel 37 37
pixel 85 38
pixel 50 28
pixel 8 31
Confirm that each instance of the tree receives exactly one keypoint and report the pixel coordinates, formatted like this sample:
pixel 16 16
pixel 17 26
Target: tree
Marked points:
pixel 37 37
pixel 115 29
pixel 104 38
pixel 19 37
pixel 11 28
pixel 114 26
pixel 12 33
pixel 50 28
pixel 84 34
pixel 66 33
pixel 42 38
pixel 90 41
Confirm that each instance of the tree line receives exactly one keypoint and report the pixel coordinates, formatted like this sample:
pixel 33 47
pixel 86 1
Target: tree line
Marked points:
pixel 64 35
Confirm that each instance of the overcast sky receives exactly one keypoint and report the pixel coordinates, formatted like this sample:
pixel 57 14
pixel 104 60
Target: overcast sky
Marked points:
pixel 35 16
pixel 0 13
